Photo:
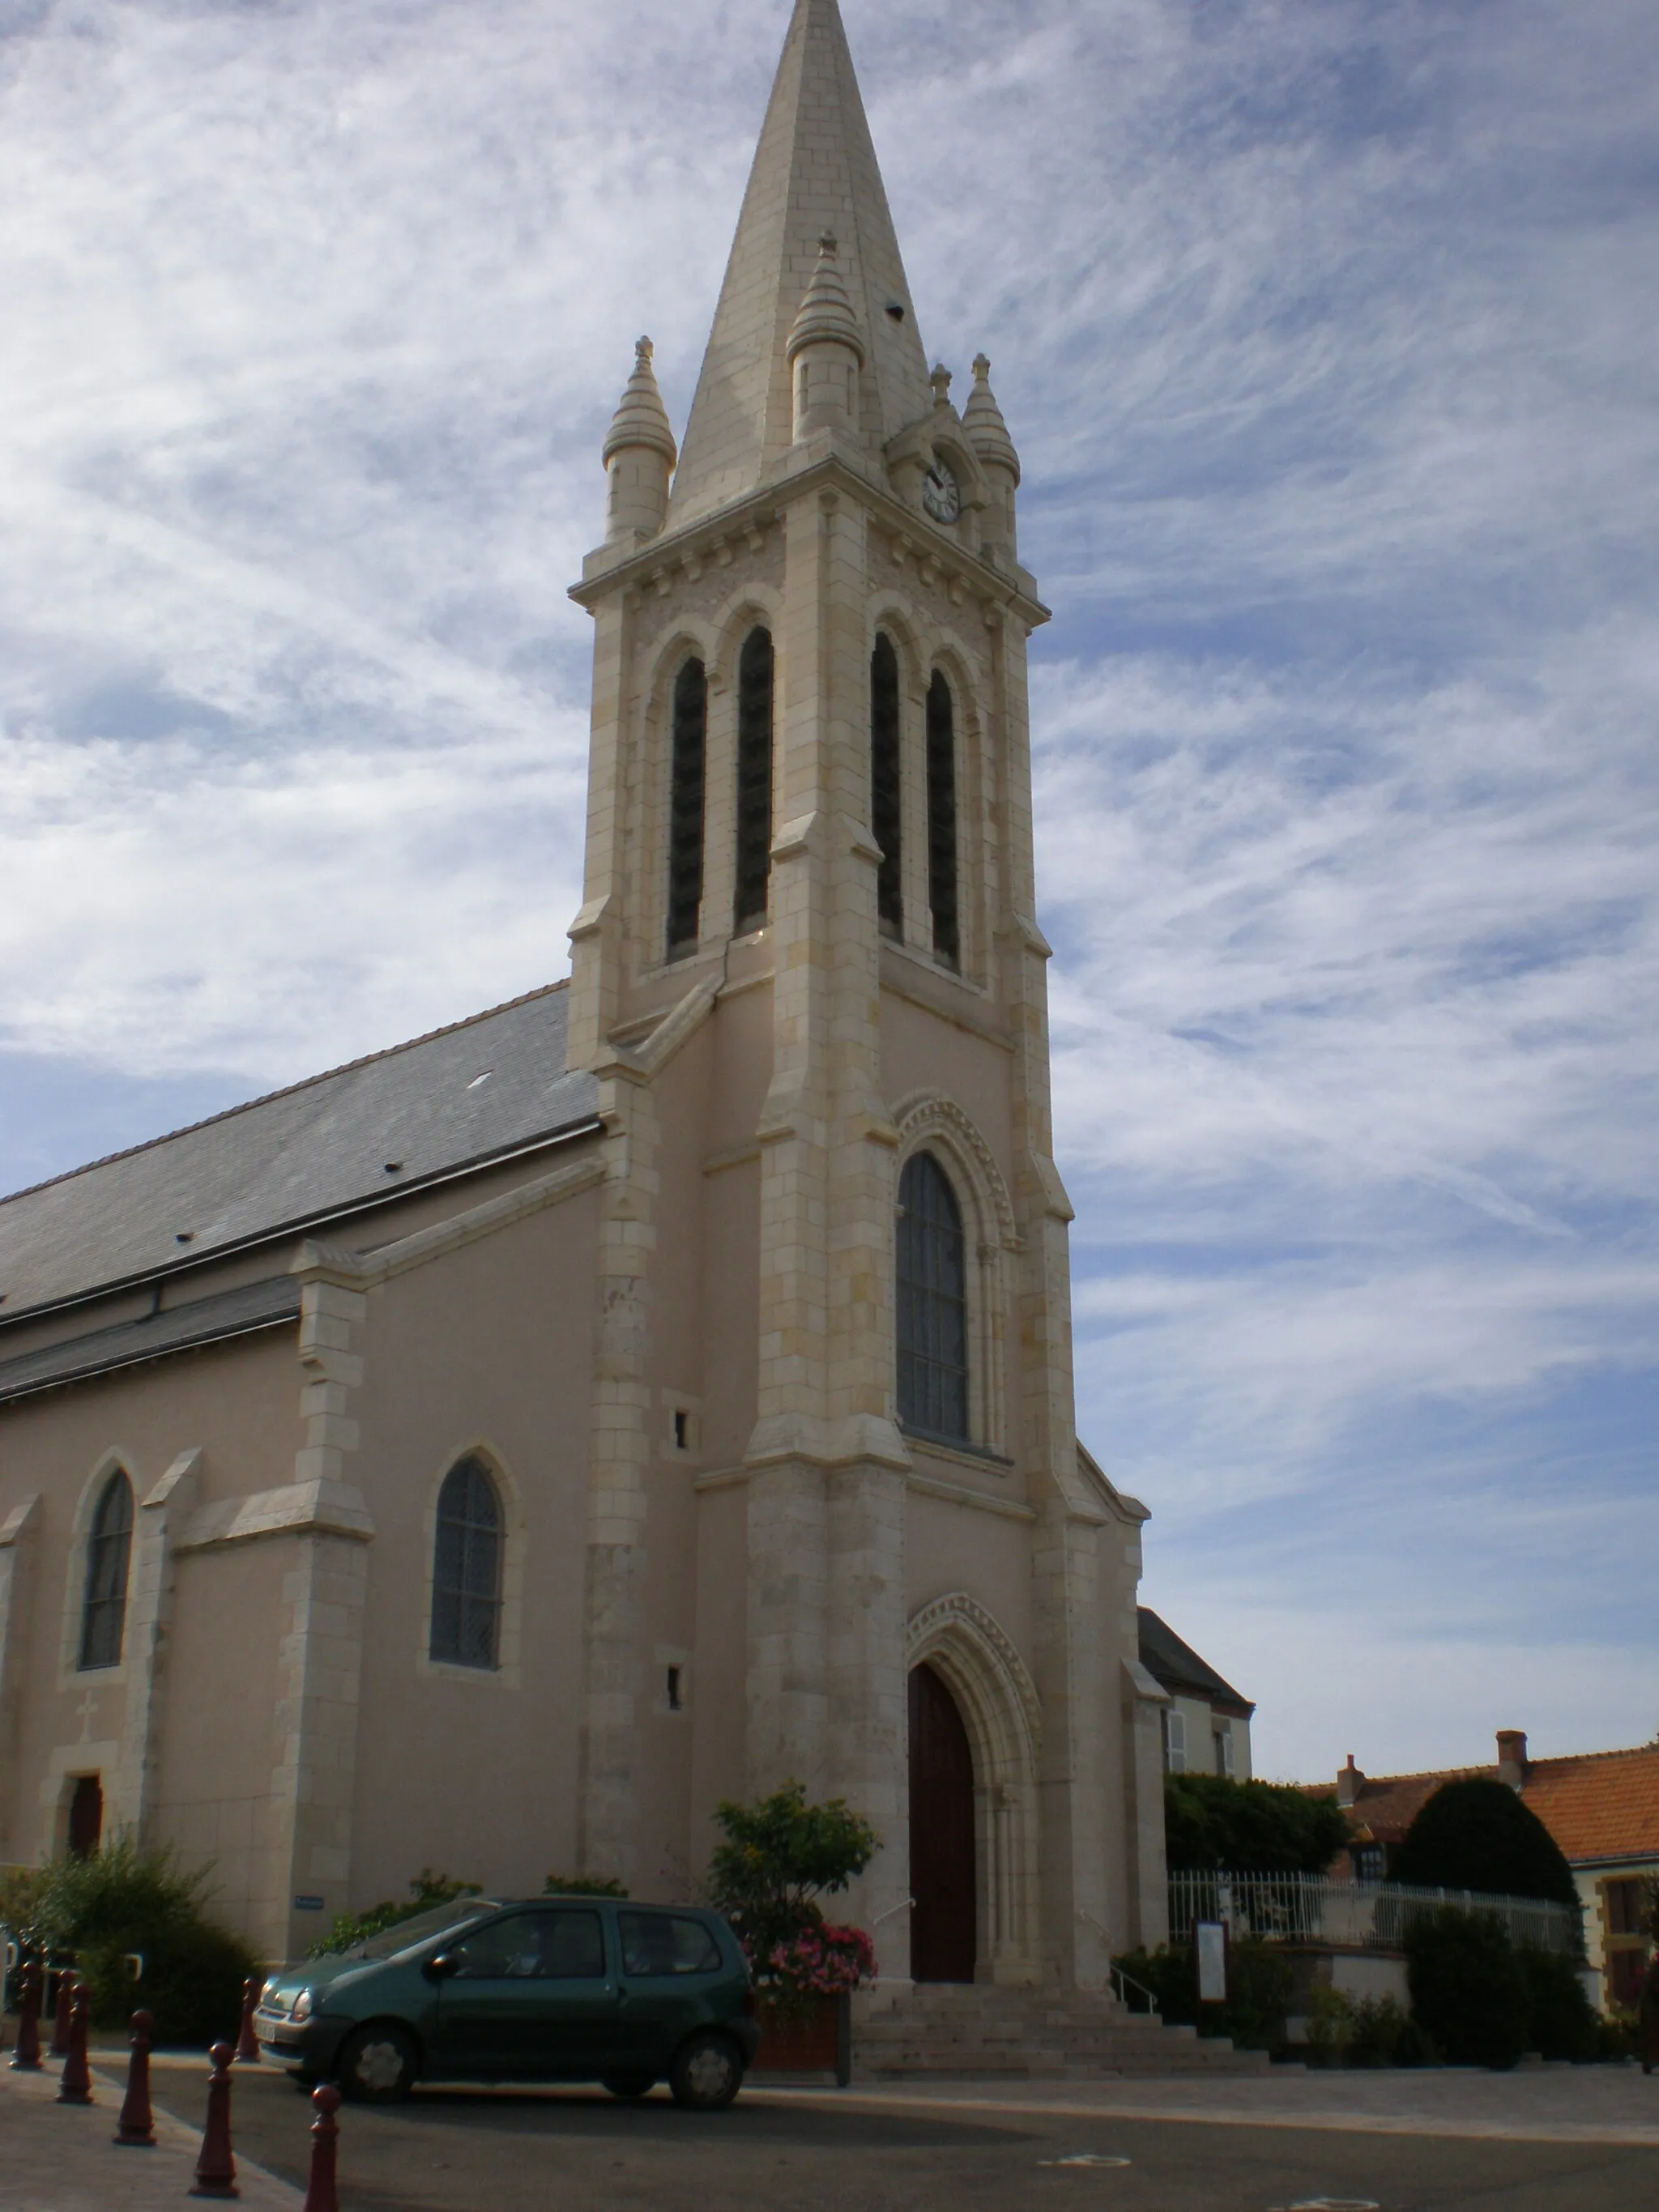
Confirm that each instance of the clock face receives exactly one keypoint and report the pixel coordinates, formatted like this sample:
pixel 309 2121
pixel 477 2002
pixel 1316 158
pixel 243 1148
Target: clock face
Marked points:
pixel 941 495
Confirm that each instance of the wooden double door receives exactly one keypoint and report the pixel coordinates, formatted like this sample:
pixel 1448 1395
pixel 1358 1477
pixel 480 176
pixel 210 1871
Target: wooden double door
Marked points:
pixel 943 1874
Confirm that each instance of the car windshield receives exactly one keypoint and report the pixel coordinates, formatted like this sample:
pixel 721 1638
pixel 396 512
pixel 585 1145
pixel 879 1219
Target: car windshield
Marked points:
pixel 422 1926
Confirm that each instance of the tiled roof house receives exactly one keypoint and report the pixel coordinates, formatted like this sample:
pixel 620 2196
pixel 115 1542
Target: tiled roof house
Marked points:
pixel 1601 1808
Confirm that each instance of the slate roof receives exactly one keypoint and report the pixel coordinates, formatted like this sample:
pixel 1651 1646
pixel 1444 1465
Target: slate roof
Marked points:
pixel 213 1320
pixel 1177 1667
pixel 1602 1807
pixel 477 1091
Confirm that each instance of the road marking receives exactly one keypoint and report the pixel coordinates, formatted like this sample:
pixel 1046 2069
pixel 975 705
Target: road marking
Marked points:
pixel 1084 2158
pixel 1329 2204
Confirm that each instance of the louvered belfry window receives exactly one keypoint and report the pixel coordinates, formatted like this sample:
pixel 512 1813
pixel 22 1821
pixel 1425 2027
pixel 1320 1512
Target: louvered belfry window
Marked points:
pixel 109 1548
pixel 687 767
pixel 754 782
pixel 466 1569
pixel 942 819
pixel 884 783
pixel 932 1302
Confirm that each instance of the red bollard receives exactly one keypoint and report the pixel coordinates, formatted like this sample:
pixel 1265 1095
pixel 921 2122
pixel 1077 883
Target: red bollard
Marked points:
pixel 60 2016
pixel 324 2144
pixel 76 2088
pixel 215 2169
pixel 25 2059
pixel 135 2129
pixel 247 2043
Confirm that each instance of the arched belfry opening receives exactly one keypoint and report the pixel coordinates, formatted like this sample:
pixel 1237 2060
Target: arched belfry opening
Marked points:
pixel 943 1874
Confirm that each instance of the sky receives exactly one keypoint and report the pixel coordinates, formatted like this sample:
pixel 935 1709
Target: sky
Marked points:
pixel 1325 330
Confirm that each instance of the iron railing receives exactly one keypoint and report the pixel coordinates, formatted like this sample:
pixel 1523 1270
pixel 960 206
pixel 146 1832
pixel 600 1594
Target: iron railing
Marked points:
pixel 1353 1916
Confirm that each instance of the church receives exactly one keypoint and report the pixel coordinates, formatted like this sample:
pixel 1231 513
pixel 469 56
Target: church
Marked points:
pixel 491 1455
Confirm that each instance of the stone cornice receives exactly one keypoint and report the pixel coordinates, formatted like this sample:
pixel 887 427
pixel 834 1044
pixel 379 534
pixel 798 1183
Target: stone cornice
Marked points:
pixel 695 545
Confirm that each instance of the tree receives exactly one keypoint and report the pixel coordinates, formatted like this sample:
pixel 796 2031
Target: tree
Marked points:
pixel 780 1855
pixel 1248 1828
pixel 1477 1834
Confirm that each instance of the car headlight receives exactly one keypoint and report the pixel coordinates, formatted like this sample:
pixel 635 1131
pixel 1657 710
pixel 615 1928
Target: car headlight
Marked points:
pixel 301 2006
pixel 268 1991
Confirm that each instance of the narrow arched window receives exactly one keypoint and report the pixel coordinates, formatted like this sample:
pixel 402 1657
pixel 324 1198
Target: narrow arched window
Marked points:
pixel 685 807
pixel 109 1547
pixel 932 1302
pixel 466 1569
pixel 942 818
pixel 754 780
pixel 884 783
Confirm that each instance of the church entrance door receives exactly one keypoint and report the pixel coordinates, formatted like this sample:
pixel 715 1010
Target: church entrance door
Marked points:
pixel 943 1881
pixel 85 1816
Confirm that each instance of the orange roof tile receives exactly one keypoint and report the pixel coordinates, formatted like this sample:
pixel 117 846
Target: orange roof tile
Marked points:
pixel 1600 1806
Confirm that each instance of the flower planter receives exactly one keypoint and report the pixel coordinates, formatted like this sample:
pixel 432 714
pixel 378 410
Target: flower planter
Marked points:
pixel 818 2040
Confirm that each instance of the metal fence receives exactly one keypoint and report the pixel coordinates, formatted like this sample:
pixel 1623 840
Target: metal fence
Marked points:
pixel 1352 1916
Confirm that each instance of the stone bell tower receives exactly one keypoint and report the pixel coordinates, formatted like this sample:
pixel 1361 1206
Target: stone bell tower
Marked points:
pixel 807 954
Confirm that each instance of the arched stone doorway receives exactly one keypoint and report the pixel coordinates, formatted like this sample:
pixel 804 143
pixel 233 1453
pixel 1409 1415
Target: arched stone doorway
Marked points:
pixel 944 1881
pixel 992 1716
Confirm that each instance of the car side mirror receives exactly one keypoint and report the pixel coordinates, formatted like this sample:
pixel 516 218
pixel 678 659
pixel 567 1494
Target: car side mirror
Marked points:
pixel 441 1969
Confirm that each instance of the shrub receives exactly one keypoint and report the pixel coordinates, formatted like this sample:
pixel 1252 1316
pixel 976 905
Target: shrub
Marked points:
pixel 1477 1834
pixel 426 1890
pixel 1259 1985
pixel 1331 2024
pixel 1468 1992
pixel 1562 2023
pixel 123 1902
pixel 1248 1828
pixel 779 1856
pixel 583 1884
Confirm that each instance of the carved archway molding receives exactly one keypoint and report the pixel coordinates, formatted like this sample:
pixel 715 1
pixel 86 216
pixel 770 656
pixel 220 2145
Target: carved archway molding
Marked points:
pixel 969 1649
pixel 921 1116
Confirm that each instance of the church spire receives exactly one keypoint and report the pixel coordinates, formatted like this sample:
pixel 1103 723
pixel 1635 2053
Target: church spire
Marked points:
pixel 814 174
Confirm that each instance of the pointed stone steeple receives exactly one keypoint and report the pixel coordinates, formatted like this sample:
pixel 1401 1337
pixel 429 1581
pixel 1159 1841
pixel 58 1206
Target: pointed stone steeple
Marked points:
pixel 814 172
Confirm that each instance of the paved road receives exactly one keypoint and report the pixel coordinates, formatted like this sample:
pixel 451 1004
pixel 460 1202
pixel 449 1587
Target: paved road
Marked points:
pixel 568 2151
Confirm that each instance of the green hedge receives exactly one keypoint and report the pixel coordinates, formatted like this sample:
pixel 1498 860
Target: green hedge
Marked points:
pixel 1250 1828
pixel 123 1902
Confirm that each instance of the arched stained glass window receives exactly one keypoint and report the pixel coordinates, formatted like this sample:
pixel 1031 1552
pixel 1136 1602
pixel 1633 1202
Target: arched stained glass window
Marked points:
pixel 884 811
pixel 753 868
pixel 109 1547
pixel 942 818
pixel 932 1302
pixel 686 772
pixel 466 1569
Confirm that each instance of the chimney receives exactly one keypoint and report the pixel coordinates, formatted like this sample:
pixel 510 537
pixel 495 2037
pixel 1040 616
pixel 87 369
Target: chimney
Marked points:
pixel 1512 1756
pixel 1348 1779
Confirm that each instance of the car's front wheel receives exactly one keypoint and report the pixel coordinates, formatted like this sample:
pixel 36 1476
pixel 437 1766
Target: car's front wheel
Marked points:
pixel 629 2085
pixel 706 2072
pixel 378 2064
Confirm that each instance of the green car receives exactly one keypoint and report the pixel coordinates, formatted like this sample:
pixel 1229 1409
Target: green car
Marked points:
pixel 572 1990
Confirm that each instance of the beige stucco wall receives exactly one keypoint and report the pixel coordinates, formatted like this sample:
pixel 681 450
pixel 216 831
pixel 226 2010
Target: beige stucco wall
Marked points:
pixel 236 1405
pixel 487 1350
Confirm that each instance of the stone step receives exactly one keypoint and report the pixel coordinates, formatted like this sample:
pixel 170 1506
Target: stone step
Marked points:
pixel 959 2032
